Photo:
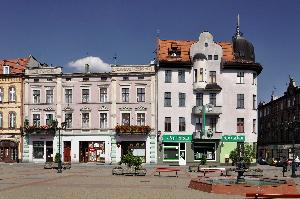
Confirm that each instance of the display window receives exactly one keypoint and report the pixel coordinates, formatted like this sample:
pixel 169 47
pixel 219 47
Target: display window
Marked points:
pixel 206 149
pixel 138 148
pixel 171 151
pixel 38 149
pixel 92 151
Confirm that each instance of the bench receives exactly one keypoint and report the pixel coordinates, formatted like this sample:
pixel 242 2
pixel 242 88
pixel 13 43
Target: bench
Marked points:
pixel 166 169
pixel 213 169
pixel 261 195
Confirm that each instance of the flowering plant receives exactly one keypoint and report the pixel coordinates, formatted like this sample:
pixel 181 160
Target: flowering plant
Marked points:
pixel 132 129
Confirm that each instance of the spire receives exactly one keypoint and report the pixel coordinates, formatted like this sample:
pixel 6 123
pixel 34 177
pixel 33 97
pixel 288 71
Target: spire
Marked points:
pixel 238 33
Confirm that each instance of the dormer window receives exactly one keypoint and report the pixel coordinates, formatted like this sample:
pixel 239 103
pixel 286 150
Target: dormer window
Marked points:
pixel 174 51
pixel 6 70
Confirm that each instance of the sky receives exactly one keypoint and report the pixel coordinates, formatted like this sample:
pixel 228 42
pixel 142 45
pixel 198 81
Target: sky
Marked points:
pixel 68 32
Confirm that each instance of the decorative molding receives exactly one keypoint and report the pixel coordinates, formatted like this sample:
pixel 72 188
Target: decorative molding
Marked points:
pixel 36 109
pixel 68 109
pixel 140 108
pixel 125 108
pixel 103 108
pixel 49 109
pixel 85 109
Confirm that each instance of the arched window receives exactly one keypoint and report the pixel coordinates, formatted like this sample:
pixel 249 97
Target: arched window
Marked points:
pixel 12 120
pixel 1 95
pixel 12 94
pixel 1 120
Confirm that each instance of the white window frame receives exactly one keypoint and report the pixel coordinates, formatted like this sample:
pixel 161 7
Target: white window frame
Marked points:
pixel 66 118
pixel 1 94
pixel 35 113
pixel 49 89
pixel 1 120
pixel 139 112
pixel 33 96
pixel 240 79
pixel 12 95
pixel 121 112
pixel 47 113
pixel 6 70
pixel 10 121
pixel 89 124
pixel 71 96
pixel 137 93
pixel 107 124
pixel 106 100
pixel 89 98
pixel 121 94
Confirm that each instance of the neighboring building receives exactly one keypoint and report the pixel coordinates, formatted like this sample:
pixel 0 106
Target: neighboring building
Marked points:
pixel 11 100
pixel 279 125
pixel 216 77
pixel 92 104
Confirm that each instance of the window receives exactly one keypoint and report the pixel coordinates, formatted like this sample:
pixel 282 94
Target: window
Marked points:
pixel 103 120
pixel 1 120
pixel 68 79
pixel 240 77
pixel 213 123
pixel 140 95
pixel 85 120
pixel 6 70
pixel 103 78
pixel 209 57
pixel 38 149
pixel 198 123
pixel 85 95
pixel 36 96
pixel 126 119
pixel 212 77
pixel 168 76
pixel 125 78
pixel 85 79
pixel 49 79
pixel 12 120
pixel 171 152
pixel 254 78
pixel 125 94
pixel 49 119
pixel 201 75
pixel 1 95
pixel 199 99
pixel 49 96
pixel 254 126
pixel 204 149
pixel 181 76
pixel 240 125
pixel 181 99
pixel 68 95
pixel 254 101
pixel 213 98
pixel 141 77
pixel 168 99
pixel 168 124
pixel 36 80
pixel 36 120
pixel 181 124
pixel 140 119
pixel 103 94
pixel 240 101
pixel 205 44
pixel 12 94
pixel 216 57
pixel 68 119
pixel 195 75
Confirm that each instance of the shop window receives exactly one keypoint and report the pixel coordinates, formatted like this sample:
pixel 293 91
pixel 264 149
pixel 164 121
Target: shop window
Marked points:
pixel 171 151
pixel 38 149
pixel 206 149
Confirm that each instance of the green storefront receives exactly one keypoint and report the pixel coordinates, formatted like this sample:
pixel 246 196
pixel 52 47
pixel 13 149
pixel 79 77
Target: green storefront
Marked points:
pixel 228 144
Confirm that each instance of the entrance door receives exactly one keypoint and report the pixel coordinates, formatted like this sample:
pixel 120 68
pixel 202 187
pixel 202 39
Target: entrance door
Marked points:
pixel 49 151
pixel 182 155
pixel 67 151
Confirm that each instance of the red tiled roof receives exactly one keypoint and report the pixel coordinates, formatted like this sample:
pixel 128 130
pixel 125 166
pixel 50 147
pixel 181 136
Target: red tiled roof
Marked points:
pixel 164 47
pixel 16 65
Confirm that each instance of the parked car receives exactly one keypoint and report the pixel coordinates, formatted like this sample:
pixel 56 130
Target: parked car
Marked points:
pixel 262 161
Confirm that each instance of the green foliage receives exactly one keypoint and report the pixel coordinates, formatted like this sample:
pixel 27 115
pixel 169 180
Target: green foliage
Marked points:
pixel 130 160
pixel 57 158
pixel 246 156
pixel 203 159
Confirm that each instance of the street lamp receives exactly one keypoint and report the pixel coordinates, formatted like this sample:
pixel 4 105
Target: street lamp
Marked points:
pixel 63 127
pixel 294 126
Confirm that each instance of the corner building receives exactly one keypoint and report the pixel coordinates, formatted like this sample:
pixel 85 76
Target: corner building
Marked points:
pixel 207 95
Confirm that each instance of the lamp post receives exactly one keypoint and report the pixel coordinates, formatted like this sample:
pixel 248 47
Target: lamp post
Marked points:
pixel 63 127
pixel 295 125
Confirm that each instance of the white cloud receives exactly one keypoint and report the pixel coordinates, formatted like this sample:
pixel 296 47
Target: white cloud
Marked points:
pixel 96 64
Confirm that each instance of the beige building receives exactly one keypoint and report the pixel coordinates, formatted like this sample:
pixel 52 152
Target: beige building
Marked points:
pixel 11 100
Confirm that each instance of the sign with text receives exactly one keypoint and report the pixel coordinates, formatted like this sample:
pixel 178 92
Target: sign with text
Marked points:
pixel 177 138
pixel 233 138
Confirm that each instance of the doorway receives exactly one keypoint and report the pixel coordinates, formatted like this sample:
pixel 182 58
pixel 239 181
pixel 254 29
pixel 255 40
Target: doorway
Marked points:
pixel 49 151
pixel 67 151
pixel 182 156
pixel 8 151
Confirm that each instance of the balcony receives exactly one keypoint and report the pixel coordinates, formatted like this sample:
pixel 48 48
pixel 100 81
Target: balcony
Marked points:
pixel 207 135
pixel 200 86
pixel 132 130
pixel 39 130
pixel 214 110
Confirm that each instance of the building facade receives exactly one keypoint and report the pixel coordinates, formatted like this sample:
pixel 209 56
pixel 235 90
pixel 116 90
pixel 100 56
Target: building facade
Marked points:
pixel 11 101
pixel 206 98
pixel 106 114
pixel 279 125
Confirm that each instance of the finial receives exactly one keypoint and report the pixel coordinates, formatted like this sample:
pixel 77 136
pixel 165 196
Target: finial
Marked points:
pixel 238 33
pixel 115 57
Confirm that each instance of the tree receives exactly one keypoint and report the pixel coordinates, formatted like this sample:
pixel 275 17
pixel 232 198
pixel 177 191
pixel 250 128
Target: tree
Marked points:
pixel 246 156
pixel 130 160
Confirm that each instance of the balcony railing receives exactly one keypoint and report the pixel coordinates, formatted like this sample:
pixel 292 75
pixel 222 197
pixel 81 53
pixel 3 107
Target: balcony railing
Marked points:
pixel 48 129
pixel 132 129
pixel 216 110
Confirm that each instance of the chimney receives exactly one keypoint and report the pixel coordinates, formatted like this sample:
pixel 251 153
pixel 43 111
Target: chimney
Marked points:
pixel 87 68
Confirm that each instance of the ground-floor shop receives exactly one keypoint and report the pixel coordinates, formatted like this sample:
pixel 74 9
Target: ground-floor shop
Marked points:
pixel 270 152
pixel 9 150
pixel 143 146
pixel 183 149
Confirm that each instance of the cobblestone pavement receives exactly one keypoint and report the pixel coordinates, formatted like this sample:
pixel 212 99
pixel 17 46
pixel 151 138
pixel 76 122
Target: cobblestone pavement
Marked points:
pixel 96 181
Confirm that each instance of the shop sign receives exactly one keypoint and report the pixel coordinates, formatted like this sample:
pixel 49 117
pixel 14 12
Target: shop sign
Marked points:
pixel 233 138
pixel 177 138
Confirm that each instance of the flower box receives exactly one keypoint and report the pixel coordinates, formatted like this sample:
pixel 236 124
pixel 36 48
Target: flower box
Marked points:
pixel 132 129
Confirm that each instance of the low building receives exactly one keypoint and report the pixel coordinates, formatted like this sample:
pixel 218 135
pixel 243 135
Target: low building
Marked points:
pixel 279 125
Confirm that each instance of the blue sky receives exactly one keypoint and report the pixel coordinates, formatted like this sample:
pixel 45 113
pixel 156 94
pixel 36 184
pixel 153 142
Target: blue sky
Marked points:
pixel 58 32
